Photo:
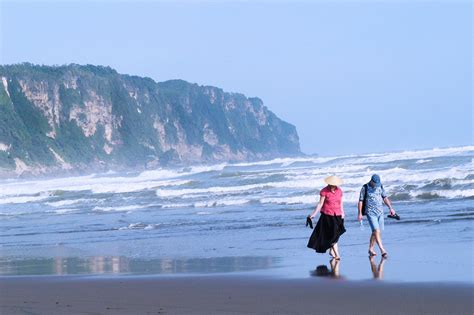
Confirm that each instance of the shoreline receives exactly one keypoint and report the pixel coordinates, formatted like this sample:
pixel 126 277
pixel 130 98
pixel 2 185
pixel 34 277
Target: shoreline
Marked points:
pixel 226 294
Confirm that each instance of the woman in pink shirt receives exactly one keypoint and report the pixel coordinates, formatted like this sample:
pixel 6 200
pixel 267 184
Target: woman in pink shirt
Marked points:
pixel 330 225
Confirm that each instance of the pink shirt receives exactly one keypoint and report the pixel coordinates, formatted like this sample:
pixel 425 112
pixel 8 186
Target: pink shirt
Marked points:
pixel 333 201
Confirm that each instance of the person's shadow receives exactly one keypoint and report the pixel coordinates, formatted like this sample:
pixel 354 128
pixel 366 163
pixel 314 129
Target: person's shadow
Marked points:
pixel 323 270
pixel 377 271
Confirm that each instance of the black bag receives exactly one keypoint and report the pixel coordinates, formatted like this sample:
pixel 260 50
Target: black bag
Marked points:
pixel 364 202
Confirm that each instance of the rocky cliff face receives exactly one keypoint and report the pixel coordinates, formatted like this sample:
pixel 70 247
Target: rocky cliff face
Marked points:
pixel 87 117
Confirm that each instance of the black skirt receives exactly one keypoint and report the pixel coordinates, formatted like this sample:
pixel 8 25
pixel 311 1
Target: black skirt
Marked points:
pixel 327 232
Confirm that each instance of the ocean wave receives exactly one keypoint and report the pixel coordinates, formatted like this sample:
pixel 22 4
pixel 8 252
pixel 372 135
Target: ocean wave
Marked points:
pixel 447 183
pixel 64 210
pixel 203 213
pixel 209 203
pixel 139 226
pixel 62 203
pixel 169 193
pixel 133 186
pixel 177 205
pixel 158 174
pixel 444 181
pixel 291 200
pixel 422 161
pixel 100 185
pixel 359 175
pixel 450 194
pixel 393 178
pixel 206 168
pixel 220 203
pixel 286 162
pixel 22 199
pixel 120 208
pixel 414 155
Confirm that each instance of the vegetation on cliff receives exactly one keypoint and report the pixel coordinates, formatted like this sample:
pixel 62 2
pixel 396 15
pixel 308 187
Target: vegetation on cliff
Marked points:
pixel 81 117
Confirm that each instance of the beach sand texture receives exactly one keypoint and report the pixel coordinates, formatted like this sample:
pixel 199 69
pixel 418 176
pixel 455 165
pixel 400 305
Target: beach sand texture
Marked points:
pixel 227 295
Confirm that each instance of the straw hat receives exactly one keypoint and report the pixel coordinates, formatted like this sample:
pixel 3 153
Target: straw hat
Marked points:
pixel 333 180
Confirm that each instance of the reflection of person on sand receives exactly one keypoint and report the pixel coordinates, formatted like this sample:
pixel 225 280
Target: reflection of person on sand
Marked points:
pixel 335 268
pixel 330 225
pixel 371 199
pixel 323 271
pixel 377 271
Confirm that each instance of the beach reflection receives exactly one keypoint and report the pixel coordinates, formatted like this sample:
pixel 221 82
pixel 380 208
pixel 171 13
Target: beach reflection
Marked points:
pixel 124 265
pixel 377 271
pixel 323 270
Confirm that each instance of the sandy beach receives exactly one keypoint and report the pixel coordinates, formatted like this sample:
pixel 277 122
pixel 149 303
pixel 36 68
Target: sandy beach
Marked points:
pixel 227 295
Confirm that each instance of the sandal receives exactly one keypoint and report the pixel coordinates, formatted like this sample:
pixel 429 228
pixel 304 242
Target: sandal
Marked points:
pixel 309 222
pixel 385 255
pixel 394 216
pixel 372 254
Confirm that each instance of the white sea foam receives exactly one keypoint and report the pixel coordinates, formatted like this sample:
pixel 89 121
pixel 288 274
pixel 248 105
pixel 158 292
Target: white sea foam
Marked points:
pixel 177 205
pixel 287 161
pixel 220 203
pixel 355 170
pixel 450 194
pixel 206 168
pixel 65 210
pixel 209 203
pixel 62 203
pixel 158 174
pixel 86 183
pixel 305 199
pixel 120 208
pixel 309 181
pixel 220 190
pixel 167 193
pixel 22 199
pixel 203 213
pixel 422 161
pixel 139 226
pixel 411 155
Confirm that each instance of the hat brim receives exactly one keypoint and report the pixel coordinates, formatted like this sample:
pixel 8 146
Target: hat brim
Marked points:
pixel 333 181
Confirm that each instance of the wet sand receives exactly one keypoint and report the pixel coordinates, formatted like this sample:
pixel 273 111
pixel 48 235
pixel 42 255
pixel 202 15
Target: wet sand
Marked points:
pixel 227 295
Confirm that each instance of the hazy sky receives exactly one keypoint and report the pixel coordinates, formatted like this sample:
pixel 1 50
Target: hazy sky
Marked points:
pixel 352 76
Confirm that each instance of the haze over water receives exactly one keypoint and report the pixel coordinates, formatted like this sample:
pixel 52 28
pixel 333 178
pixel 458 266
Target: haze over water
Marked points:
pixel 246 217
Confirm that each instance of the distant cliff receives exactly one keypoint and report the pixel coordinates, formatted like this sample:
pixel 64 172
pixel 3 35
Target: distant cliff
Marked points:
pixel 91 117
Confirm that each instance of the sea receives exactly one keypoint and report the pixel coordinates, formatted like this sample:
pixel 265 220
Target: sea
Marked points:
pixel 242 219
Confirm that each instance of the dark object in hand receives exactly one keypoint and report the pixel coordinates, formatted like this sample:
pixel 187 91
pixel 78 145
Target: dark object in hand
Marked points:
pixel 395 216
pixel 309 222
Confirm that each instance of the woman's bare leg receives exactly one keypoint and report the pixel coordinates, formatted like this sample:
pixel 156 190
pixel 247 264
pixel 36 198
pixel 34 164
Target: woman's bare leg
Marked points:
pixel 336 251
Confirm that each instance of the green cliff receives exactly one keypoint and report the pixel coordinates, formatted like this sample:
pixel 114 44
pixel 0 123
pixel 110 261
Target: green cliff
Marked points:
pixel 91 117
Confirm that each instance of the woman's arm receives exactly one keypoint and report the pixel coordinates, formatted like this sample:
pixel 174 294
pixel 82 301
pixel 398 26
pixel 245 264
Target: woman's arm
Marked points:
pixel 318 207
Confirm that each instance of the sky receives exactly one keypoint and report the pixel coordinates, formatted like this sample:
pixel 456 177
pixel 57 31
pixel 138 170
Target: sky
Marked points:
pixel 352 76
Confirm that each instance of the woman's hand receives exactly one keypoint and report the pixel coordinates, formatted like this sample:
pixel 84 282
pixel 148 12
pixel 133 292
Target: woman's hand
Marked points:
pixel 392 212
pixel 359 217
